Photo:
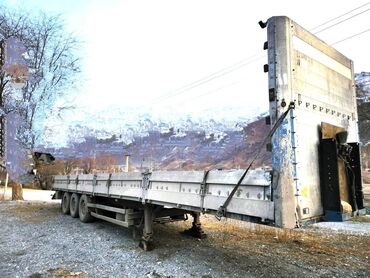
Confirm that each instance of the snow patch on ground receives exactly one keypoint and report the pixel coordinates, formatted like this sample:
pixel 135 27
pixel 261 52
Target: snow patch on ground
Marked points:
pixel 361 227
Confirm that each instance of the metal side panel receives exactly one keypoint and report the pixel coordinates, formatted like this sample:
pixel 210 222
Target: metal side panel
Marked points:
pixel 185 189
pixel 258 177
pixel 245 192
pixel 250 207
pixel 253 197
pixel 176 187
pixel 177 176
pixel 102 183
pixel 85 183
pixel 126 184
pixel 72 184
pixel 60 182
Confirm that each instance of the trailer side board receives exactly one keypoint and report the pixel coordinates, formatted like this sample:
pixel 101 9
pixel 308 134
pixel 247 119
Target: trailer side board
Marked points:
pixel 181 189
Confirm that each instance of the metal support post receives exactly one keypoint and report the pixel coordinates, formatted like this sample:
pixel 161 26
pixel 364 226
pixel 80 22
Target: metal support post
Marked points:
pixel 196 228
pixel 6 184
pixel 146 242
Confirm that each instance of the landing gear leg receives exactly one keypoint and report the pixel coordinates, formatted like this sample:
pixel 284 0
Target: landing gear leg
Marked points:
pixel 196 228
pixel 146 242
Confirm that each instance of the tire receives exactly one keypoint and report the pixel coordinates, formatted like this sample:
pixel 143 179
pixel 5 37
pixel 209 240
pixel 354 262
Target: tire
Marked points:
pixel 65 203
pixel 74 205
pixel 83 210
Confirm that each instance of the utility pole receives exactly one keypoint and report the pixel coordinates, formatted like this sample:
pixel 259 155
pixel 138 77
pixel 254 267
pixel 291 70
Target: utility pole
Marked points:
pixel 2 115
pixel 127 157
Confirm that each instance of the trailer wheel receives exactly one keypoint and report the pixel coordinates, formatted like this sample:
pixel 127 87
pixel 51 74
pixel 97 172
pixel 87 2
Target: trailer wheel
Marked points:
pixel 65 203
pixel 74 205
pixel 83 209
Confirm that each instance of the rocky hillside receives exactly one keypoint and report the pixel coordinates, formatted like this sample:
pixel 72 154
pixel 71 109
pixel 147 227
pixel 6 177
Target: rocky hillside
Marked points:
pixel 175 149
pixel 364 122
pixel 363 108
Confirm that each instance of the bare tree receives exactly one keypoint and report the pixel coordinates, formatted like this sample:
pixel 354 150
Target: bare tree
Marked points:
pixel 52 62
pixel 68 166
pixel 88 164
pixel 107 162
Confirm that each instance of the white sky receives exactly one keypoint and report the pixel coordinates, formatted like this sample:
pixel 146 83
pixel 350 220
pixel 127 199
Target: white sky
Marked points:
pixel 137 51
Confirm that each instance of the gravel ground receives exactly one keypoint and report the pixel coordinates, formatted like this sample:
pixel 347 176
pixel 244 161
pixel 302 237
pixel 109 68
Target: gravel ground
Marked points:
pixel 38 241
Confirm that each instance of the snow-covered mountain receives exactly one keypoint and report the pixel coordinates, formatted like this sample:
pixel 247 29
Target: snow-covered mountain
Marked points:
pixel 362 87
pixel 128 123
pixel 169 135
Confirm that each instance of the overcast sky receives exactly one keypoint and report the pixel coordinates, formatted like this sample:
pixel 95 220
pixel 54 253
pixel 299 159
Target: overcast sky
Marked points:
pixel 136 53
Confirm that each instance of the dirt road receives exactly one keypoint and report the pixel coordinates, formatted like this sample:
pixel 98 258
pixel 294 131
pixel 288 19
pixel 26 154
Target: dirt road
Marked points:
pixel 38 241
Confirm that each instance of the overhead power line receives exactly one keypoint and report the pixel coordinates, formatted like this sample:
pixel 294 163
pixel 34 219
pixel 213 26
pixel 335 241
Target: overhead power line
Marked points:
pixel 350 37
pixel 211 77
pixel 339 22
pixel 256 57
pixel 186 100
pixel 339 16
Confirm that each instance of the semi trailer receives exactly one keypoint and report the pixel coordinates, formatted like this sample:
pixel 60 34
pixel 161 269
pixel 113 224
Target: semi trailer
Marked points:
pixel 316 169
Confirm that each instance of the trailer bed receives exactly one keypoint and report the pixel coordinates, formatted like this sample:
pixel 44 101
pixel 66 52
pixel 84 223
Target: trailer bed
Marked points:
pixel 182 190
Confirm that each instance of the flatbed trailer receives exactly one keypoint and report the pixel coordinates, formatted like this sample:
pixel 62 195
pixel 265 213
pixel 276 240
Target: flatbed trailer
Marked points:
pixel 315 174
